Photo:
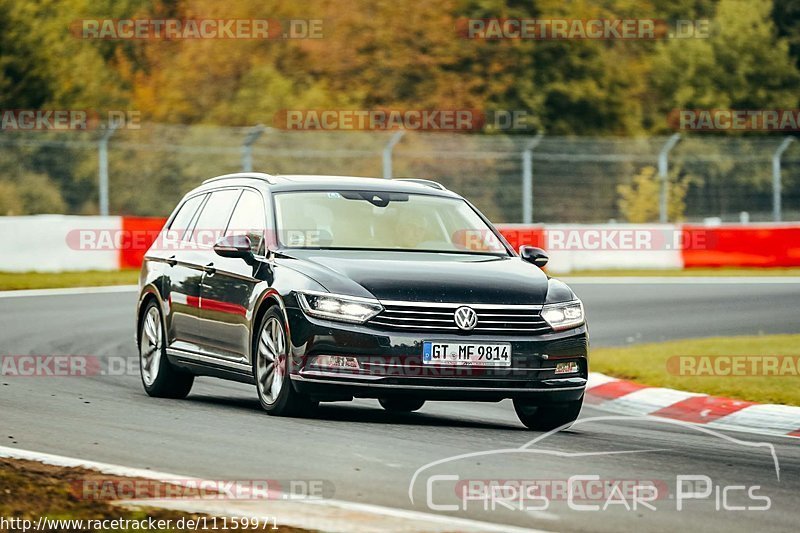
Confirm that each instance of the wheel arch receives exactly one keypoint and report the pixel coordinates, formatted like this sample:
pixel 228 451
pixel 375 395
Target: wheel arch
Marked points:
pixel 271 298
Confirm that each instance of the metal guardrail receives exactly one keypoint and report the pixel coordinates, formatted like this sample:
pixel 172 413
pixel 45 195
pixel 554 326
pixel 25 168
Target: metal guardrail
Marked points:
pixel 514 178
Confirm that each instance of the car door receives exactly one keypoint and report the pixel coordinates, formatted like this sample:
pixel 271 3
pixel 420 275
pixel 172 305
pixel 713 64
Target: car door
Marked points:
pixel 227 293
pixel 192 266
pixel 183 295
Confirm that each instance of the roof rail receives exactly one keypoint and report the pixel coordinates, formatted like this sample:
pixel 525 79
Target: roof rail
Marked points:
pixel 251 175
pixel 429 183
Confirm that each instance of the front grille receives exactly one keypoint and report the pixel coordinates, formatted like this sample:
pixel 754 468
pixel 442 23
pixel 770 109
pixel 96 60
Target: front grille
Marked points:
pixel 439 317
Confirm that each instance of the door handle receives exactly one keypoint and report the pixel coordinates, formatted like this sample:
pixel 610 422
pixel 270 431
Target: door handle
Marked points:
pixel 171 261
pixel 209 269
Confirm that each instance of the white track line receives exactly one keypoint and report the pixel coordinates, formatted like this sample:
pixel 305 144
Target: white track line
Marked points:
pixel 326 515
pixel 71 290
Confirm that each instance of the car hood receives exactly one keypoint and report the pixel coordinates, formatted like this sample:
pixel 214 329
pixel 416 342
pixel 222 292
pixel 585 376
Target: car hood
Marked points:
pixel 422 276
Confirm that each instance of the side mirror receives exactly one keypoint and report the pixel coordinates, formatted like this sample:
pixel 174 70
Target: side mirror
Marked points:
pixel 237 246
pixel 534 255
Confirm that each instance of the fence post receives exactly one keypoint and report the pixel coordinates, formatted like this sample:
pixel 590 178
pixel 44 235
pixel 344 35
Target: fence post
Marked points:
pixel 776 178
pixel 247 147
pixel 527 178
pixel 102 167
pixel 387 153
pixel 663 171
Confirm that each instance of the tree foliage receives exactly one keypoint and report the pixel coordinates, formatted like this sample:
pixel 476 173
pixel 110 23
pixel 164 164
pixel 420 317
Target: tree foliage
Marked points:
pixel 639 200
pixel 392 54
pixel 384 53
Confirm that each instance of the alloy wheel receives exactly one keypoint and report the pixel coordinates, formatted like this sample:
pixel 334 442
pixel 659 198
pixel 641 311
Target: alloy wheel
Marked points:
pixel 150 346
pixel 271 360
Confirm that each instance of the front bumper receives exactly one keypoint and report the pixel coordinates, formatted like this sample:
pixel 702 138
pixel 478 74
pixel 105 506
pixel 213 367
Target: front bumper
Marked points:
pixel 390 364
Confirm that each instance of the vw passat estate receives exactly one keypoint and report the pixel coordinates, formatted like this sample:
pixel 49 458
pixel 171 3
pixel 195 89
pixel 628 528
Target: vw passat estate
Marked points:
pixel 329 288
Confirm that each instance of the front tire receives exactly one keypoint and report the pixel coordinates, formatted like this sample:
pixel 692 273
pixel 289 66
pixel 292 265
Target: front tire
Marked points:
pixel 547 416
pixel 401 405
pixel 271 370
pixel 159 377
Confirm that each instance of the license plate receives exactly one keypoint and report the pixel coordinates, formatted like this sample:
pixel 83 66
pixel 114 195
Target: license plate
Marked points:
pixel 465 354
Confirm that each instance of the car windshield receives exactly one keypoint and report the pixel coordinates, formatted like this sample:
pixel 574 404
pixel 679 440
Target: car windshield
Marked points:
pixel 375 220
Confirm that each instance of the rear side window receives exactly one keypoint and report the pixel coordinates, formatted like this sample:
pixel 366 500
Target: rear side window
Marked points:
pixel 249 219
pixel 183 219
pixel 213 219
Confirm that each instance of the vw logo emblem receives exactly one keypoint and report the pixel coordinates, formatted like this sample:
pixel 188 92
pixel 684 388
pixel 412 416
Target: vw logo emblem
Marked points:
pixel 466 318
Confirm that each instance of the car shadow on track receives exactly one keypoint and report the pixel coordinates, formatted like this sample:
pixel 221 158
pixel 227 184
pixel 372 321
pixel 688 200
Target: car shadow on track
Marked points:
pixel 343 412
pixel 348 412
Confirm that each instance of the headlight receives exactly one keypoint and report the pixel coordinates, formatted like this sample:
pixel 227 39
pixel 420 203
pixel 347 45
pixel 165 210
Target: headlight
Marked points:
pixel 338 307
pixel 564 316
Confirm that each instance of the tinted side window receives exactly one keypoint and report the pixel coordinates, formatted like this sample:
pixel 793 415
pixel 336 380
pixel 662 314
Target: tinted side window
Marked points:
pixel 249 219
pixel 184 217
pixel 213 219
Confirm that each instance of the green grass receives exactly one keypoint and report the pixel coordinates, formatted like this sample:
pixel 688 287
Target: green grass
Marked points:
pixel 647 364
pixel 726 271
pixel 47 280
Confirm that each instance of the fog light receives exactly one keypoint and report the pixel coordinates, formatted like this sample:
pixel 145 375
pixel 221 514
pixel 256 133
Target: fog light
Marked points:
pixel 570 367
pixel 335 362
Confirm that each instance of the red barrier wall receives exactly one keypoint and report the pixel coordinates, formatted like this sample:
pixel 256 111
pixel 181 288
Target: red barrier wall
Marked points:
pixel 743 246
pixel 138 233
pixel 517 236
pixel 730 245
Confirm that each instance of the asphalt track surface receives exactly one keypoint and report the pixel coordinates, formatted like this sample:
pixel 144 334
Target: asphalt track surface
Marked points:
pixel 369 456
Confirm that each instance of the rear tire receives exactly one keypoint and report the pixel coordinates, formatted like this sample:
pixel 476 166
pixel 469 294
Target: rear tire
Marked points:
pixel 547 416
pixel 401 405
pixel 276 393
pixel 159 377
